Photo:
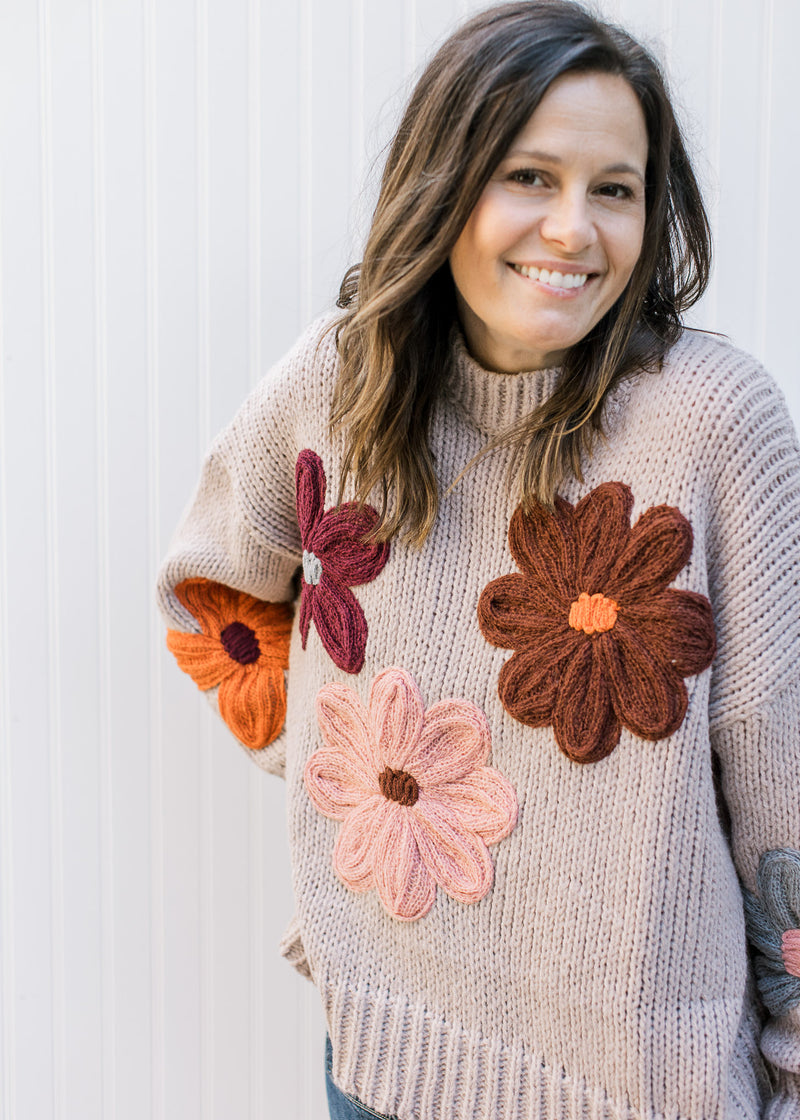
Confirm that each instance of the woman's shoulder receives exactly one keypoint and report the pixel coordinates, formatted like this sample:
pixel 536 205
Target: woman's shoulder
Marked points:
pixel 309 367
pixel 702 366
pixel 298 386
pixel 709 386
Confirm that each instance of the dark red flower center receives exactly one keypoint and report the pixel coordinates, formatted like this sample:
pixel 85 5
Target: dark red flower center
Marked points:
pixel 594 614
pixel 399 785
pixel 240 643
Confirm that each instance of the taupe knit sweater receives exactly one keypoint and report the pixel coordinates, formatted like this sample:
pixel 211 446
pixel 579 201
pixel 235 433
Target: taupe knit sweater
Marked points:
pixel 530 767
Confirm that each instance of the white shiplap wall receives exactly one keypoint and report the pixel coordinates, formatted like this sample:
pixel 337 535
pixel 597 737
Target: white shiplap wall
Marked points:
pixel 181 186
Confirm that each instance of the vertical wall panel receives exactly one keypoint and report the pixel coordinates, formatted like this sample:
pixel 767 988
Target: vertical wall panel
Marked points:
pixel 74 489
pixel 778 224
pixel 737 172
pixel 107 1047
pixel 160 980
pixel 125 437
pixel 7 931
pixel 178 41
pixel 330 92
pixel 181 188
pixel 27 377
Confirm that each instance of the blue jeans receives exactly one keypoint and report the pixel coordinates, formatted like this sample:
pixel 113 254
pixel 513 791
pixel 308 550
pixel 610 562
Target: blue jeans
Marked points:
pixel 341 1105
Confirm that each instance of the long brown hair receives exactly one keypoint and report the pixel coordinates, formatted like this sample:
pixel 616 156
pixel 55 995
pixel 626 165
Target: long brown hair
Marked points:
pixel 394 337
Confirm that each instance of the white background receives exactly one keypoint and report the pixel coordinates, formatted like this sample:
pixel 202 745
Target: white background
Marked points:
pixel 182 185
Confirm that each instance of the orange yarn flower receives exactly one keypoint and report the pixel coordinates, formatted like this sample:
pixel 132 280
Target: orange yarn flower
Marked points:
pixel 601 642
pixel 243 648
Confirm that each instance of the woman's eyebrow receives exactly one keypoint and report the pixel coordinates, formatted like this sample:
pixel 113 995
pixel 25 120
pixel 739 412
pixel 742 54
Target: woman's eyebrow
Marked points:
pixel 548 157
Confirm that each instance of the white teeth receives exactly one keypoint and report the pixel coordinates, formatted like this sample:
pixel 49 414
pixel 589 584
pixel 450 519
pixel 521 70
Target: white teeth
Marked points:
pixel 553 279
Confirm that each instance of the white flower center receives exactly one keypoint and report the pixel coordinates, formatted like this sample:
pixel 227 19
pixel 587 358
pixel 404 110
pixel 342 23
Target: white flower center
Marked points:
pixel 312 568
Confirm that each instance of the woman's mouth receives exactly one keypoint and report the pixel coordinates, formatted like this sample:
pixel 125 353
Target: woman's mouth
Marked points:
pixel 554 278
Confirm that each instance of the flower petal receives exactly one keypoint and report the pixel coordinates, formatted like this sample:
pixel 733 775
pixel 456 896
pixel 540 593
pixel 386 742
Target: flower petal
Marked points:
pixel 272 625
pixel 214 605
pixel 649 697
pixel 310 486
pixel 678 627
pixel 530 681
pixel 252 702
pixel 790 950
pixel 344 724
pixel 356 844
pixel 457 859
pixel 340 623
pixel 584 722
pixel 603 522
pixel 203 658
pixel 544 545
pixel 338 542
pixel 779 883
pixel 336 783
pixel 454 741
pixel 396 713
pixel 483 802
pixel 659 546
pixel 513 610
pixel 404 883
pixel 306 599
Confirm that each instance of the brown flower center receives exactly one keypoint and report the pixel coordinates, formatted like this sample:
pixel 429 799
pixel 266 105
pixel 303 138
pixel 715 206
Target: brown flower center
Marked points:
pixel 399 785
pixel 240 643
pixel 594 614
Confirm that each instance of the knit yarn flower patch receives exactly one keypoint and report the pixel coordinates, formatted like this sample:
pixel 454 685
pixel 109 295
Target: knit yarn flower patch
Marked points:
pixel 601 642
pixel 335 558
pixel 243 648
pixel 418 804
pixel 773 927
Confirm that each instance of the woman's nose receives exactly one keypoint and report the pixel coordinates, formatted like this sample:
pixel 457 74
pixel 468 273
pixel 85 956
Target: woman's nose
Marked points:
pixel 568 222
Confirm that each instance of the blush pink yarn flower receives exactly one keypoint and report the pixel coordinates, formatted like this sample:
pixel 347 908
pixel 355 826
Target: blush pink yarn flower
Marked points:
pixel 335 558
pixel 418 804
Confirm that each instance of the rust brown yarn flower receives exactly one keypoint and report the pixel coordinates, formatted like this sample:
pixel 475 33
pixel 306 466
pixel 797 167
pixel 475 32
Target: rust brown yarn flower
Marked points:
pixel 601 641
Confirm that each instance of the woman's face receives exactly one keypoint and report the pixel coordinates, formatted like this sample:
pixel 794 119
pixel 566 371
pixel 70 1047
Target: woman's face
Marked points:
pixel 556 234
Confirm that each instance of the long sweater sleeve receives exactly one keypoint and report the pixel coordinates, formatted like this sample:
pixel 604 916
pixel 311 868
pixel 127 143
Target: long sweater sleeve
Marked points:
pixel 754 566
pixel 235 554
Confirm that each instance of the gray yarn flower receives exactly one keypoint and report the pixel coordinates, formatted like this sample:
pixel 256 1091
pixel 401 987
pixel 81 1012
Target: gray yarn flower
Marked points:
pixel 773 927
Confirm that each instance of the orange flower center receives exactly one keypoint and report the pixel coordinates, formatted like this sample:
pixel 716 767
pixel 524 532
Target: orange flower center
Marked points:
pixel 594 614
pixel 399 785
pixel 240 643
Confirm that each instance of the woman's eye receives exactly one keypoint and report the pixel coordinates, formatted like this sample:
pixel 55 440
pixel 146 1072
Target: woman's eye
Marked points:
pixel 615 190
pixel 526 177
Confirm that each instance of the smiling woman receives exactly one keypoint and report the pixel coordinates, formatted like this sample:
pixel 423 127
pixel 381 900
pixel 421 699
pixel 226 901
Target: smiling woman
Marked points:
pixel 541 630
pixel 554 238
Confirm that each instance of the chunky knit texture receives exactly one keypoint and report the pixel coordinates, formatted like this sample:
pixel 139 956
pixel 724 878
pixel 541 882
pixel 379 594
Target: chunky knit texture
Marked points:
pixel 555 929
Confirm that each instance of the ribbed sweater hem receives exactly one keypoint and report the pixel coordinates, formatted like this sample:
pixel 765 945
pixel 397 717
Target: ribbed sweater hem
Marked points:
pixel 401 1060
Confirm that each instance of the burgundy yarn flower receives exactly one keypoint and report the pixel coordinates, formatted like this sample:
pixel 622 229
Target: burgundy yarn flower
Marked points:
pixel 335 558
pixel 601 642
pixel 418 803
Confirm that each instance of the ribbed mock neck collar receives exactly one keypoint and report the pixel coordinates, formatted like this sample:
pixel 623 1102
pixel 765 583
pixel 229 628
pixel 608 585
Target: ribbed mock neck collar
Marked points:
pixel 492 401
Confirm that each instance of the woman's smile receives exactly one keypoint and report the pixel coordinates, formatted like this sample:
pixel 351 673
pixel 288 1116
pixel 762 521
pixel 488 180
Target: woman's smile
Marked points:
pixel 556 277
pixel 555 236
